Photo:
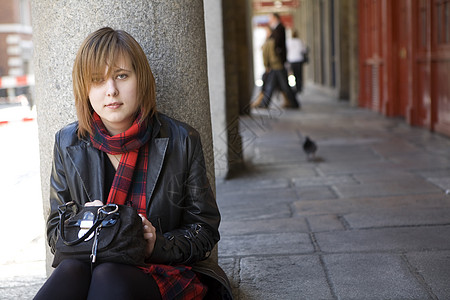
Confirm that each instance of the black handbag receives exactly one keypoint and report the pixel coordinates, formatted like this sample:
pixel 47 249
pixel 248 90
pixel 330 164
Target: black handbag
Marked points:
pixel 96 234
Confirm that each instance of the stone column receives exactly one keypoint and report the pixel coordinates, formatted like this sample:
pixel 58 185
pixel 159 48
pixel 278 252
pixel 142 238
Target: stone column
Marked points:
pixel 217 90
pixel 353 52
pixel 172 35
pixel 343 55
pixel 348 44
pixel 237 78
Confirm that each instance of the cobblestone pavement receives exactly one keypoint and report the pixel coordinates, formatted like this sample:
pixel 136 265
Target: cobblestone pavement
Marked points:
pixel 367 219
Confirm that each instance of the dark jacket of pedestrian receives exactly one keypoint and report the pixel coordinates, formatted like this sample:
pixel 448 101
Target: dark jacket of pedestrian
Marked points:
pixel 279 35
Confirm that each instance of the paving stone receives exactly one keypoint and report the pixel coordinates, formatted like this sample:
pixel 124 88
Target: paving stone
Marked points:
pixel 258 124
pixel 371 276
pixel 421 161
pixel 350 142
pixel 439 173
pixel 279 136
pixel 255 196
pixel 442 182
pixel 391 188
pixel 265 244
pixel 256 177
pixel 278 156
pixel 369 205
pixel 236 197
pixel 325 223
pixel 284 171
pixel 231 267
pixel 285 277
pixel 256 205
pixel 386 239
pixel 386 175
pixel 408 216
pixel 354 167
pixel 322 180
pixel 434 268
pixel 262 184
pixel 345 153
pixel 263 226
pixel 256 211
pixel 277 148
pixel 394 147
pixel 315 193
pixel 20 289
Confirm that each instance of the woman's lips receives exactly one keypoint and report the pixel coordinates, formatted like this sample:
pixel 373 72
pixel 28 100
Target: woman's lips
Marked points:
pixel 114 105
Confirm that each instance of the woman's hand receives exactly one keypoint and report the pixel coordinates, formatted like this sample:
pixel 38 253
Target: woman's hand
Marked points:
pixel 94 203
pixel 149 235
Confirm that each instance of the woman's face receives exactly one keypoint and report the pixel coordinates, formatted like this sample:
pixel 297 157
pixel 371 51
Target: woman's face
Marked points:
pixel 114 99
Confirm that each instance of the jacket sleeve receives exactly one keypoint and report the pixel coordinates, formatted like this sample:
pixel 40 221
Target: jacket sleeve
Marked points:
pixel 266 55
pixel 198 233
pixel 59 193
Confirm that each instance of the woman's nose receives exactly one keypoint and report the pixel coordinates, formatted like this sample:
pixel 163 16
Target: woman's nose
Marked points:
pixel 111 88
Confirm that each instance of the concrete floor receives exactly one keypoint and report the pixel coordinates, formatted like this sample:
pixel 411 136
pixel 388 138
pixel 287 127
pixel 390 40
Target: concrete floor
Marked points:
pixel 369 218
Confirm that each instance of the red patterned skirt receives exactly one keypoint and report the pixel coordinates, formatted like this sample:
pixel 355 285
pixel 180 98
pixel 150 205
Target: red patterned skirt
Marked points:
pixel 176 282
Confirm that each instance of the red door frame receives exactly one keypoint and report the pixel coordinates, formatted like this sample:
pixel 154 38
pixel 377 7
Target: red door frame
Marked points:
pixel 440 65
pixel 379 57
pixel 371 62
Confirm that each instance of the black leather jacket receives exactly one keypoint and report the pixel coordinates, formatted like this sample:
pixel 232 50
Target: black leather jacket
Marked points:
pixel 180 202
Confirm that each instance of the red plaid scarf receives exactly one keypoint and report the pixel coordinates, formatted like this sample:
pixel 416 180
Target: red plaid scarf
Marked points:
pixel 132 170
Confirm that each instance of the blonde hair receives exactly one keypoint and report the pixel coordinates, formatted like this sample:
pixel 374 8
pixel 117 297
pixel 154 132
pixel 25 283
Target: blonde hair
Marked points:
pixel 99 50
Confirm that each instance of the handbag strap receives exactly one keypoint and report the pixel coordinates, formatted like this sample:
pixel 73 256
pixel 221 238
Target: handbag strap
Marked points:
pixel 102 213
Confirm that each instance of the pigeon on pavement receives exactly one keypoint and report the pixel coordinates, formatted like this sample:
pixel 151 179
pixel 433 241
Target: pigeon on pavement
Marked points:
pixel 310 148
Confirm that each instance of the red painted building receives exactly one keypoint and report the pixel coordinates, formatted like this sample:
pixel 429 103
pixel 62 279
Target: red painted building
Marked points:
pixel 16 48
pixel 404 53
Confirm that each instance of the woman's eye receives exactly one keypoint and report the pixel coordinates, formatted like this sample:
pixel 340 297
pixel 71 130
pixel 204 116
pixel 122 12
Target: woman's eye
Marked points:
pixel 122 76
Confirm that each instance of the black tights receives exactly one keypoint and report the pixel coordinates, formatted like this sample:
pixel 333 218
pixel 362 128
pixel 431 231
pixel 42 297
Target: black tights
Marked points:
pixel 72 279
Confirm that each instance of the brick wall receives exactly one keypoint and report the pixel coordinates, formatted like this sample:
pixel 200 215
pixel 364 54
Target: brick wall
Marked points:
pixel 15 38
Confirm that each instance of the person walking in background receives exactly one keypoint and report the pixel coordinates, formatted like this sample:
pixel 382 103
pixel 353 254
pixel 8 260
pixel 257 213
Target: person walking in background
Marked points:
pixel 264 76
pixel 275 76
pixel 296 58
